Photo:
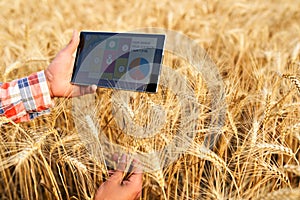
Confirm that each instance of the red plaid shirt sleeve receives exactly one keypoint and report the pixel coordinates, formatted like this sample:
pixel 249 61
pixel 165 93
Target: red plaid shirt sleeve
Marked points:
pixel 26 98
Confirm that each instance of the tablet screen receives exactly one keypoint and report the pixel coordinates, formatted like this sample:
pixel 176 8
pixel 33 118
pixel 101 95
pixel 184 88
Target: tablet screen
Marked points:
pixel 129 61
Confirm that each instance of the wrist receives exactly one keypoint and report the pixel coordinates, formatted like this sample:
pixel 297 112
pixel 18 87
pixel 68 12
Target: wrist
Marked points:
pixel 49 79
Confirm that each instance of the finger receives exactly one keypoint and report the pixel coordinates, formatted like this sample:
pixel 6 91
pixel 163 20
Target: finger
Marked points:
pixel 138 195
pixel 136 178
pixel 136 166
pixel 73 44
pixel 134 184
pixel 114 160
pixel 111 172
pixel 122 163
pixel 119 173
pixel 82 90
pixel 115 157
pixel 117 177
pixel 88 89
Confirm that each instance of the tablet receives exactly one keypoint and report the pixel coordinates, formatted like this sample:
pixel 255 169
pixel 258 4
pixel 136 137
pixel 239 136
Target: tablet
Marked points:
pixel 128 61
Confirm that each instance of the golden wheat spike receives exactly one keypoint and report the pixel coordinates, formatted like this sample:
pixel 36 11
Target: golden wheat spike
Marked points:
pixel 75 162
pixel 292 168
pixel 274 148
pixel 295 80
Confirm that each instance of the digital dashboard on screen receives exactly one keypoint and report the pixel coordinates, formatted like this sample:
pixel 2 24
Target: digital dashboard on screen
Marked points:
pixel 129 61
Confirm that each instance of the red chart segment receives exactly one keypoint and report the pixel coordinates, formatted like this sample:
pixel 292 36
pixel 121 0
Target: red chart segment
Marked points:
pixel 139 69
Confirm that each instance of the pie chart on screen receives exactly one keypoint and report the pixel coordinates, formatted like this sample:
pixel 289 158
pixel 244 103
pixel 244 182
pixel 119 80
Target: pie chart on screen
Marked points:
pixel 139 69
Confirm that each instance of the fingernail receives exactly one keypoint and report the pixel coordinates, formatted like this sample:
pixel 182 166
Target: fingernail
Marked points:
pixel 137 165
pixel 73 34
pixel 123 158
pixel 115 157
pixel 94 88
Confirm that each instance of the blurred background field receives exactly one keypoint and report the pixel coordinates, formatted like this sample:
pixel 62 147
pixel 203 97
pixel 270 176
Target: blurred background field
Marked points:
pixel 256 47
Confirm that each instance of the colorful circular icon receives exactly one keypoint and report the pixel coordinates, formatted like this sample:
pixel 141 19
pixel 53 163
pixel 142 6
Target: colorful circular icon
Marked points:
pixel 121 68
pixel 139 69
pixel 112 44
pixel 96 60
pixel 125 47
pixel 109 59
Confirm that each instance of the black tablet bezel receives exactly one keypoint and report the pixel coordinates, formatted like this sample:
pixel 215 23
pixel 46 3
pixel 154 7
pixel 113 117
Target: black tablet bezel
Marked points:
pixel 150 87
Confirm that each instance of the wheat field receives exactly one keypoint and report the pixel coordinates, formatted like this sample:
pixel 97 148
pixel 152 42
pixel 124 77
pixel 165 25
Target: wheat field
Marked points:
pixel 255 46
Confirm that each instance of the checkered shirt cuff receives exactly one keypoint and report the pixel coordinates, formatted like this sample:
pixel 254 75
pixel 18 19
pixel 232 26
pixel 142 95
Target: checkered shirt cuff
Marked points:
pixel 26 98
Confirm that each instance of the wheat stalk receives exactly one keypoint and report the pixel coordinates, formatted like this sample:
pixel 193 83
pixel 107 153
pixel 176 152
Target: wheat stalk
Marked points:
pixel 294 80
pixel 253 39
pixel 292 168
pixel 284 193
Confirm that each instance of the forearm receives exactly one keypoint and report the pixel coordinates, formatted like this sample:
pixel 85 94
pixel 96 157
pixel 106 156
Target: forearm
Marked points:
pixel 26 98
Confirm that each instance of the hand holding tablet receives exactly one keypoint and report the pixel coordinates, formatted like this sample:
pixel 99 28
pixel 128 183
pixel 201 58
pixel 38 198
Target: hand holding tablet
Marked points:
pixel 128 61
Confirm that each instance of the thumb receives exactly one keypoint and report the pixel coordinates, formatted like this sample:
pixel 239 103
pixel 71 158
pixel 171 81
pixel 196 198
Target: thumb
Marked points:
pixel 73 44
pixel 119 173
pixel 82 90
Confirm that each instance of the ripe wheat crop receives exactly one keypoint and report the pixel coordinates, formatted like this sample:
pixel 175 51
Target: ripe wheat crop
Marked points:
pixel 255 46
